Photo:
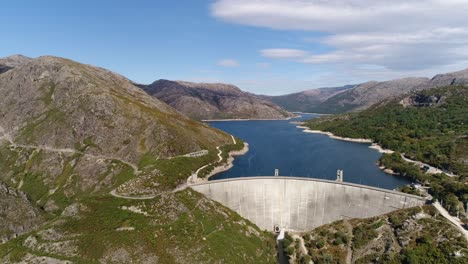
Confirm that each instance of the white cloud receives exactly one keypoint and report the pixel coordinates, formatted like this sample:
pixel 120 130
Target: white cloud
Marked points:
pixel 228 63
pixel 283 53
pixel 397 35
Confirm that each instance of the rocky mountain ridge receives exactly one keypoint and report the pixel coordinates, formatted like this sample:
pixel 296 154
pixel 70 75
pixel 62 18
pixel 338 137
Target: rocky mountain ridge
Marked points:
pixel 11 62
pixel 214 101
pixel 307 101
pixel 364 95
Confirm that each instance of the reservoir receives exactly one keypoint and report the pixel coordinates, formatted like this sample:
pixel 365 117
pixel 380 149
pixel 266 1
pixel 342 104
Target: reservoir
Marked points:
pixel 278 144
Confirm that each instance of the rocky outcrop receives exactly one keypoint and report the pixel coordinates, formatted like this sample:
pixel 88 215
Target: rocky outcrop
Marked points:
pixel 214 101
pixel 17 214
pixel 11 62
pixel 421 100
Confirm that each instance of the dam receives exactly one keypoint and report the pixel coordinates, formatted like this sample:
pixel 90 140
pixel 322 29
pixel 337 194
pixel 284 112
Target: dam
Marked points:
pixel 300 204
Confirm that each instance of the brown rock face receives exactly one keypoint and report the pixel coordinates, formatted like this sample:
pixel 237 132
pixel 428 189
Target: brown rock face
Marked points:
pixel 214 101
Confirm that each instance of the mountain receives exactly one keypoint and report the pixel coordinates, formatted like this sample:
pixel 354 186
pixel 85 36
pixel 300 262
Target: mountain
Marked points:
pixel 90 163
pixel 214 101
pixel 359 97
pixel 453 78
pixel 364 95
pixel 76 129
pixel 11 62
pixel 307 101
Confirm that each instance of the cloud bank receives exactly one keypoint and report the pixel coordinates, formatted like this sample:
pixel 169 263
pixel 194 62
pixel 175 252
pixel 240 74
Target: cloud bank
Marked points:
pixel 398 35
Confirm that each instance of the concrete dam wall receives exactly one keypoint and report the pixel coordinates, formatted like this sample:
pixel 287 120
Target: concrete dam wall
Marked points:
pixel 302 203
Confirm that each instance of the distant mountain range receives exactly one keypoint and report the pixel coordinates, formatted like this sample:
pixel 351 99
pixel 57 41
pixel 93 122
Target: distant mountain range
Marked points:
pixel 214 101
pixel 359 97
pixel 307 101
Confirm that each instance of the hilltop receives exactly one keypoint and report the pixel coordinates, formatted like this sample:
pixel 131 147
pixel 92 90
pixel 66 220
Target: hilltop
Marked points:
pixel 203 101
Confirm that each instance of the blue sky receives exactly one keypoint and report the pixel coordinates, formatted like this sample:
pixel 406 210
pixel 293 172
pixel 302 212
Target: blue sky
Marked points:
pixel 268 47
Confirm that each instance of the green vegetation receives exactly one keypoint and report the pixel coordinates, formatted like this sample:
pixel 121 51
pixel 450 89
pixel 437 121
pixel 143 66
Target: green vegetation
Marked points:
pixel 452 191
pixel 365 232
pixel 224 155
pixel 325 244
pixel 48 89
pixel 414 235
pixel 184 227
pixel 430 126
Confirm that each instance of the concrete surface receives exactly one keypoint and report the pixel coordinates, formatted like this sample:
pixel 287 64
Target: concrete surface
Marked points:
pixel 301 204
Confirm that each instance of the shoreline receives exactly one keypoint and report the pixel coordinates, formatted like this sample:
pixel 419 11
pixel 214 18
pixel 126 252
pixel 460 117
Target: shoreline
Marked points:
pixel 247 119
pixel 373 145
pixel 310 113
pixel 380 149
pixel 220 168
pixel 331 135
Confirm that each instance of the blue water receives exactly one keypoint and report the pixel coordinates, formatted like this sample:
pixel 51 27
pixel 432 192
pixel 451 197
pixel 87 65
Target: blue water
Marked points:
pixel 280 145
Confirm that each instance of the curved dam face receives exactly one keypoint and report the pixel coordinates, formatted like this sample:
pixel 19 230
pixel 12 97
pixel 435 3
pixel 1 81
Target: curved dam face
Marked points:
pixel 302 204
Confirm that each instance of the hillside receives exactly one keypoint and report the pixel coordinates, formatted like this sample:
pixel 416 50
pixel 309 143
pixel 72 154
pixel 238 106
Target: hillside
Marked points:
pixel 430 126
pixel 203 101
pixel 69 135
pixel 359 97
pixel 364 95
pixel 307 101
pixel 416 235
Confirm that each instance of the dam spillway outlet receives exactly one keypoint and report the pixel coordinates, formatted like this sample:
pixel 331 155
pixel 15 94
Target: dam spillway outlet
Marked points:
pixel 301 204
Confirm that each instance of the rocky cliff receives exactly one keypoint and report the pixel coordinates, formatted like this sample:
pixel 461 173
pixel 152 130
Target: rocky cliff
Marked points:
pixel 214 101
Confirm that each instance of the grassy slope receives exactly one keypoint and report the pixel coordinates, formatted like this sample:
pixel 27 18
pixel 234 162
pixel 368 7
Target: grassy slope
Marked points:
pixel 415 235
pixel 178 228
pixel 436 135
pixel 182 220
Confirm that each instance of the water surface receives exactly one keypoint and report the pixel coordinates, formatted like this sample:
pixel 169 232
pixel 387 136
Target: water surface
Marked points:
pixel 280 145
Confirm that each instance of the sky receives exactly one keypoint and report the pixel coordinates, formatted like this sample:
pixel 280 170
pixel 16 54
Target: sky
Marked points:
pixel 263 46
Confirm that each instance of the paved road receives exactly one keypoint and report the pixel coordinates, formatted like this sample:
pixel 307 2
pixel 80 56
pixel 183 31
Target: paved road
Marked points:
pixel 452 219
pixel 431 170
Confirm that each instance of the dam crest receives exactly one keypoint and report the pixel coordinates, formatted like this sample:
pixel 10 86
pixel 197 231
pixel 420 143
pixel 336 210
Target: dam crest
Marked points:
pixel 301 204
